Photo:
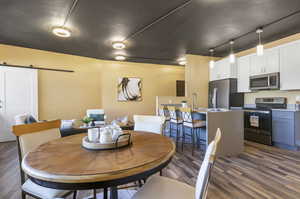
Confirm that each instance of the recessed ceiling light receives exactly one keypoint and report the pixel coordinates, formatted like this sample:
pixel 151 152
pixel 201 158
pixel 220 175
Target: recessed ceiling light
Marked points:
pixel 120 57
pixel 181 59
pixel 61 31
pixel 118 45
pixel 182 63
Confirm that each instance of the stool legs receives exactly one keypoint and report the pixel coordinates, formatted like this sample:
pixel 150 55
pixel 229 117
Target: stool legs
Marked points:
pixel 193 141
pixel 170 129
pixel 177 135
pixel 183 137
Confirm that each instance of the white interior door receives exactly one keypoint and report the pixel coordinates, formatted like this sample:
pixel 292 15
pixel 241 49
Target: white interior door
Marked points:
pixel 18 94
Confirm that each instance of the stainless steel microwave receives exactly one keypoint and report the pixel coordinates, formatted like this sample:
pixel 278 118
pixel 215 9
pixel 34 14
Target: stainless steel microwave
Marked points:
pixel 265 81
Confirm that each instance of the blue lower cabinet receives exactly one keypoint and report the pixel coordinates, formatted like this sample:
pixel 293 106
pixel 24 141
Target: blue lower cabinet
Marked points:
pixel 284 130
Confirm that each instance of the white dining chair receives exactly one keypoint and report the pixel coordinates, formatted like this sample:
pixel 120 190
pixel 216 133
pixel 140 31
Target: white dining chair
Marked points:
pixel 29 137
pixel 159 187
pixel 149 123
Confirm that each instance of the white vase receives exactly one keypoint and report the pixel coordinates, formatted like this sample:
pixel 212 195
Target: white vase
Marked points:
pixel 93 135
pixel 106 135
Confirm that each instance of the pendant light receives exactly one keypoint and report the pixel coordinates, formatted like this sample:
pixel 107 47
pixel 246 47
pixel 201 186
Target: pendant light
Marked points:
pixel 231 55
pixel 259 47
pixel 211 62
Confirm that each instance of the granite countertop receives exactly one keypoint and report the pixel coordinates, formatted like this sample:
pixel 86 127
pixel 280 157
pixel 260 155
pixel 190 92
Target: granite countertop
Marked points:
pixel 288 109
pixel 205 110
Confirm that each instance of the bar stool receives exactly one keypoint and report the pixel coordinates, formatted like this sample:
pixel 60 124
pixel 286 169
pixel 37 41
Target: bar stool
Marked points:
pixel 175 119
pixel 163 111
pixel 191 123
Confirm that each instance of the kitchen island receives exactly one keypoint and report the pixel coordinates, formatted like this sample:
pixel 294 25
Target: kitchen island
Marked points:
pixel 231 124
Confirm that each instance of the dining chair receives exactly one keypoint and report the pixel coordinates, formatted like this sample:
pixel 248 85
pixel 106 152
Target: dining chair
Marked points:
pixel 175 120
pixel 29 137
pixel 149 123
pixel 159 187
pixel 194 125
pixel 163 111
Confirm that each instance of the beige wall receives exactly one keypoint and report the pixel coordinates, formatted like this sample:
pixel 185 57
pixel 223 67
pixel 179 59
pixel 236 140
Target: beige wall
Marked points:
pixel 157 80
pixel 290 95
pixel 197 78
pixel 94 83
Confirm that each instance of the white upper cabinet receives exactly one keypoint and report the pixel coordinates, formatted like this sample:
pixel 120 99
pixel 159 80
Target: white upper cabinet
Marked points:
pixel 267 63
pixel 272 60
pixel 223 70
pixel 290 66
pixel 257 65
pixel 213 72
pixel 243 72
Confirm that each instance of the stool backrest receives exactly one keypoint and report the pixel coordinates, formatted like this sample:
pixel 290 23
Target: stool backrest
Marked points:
pixel 149 123
pixel 174 115
pixel 186 114
pixel 163 111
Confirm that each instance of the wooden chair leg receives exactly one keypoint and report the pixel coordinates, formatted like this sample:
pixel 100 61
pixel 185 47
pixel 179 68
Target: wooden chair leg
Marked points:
pixel 160 173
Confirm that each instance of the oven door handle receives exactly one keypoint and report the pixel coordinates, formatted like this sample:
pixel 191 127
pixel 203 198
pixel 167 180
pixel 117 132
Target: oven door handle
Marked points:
pixel 257 111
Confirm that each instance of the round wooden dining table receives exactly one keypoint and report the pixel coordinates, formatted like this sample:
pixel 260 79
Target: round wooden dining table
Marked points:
pixel 64 164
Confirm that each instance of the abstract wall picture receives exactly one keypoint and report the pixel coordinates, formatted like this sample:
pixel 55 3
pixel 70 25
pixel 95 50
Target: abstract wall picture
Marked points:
pixel 129 89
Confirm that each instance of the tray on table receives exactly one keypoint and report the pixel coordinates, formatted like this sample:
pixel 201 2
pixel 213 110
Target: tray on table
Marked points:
pixel 123 140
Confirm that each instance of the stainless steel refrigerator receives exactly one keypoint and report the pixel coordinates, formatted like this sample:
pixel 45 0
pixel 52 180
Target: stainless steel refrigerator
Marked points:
pixel 223 94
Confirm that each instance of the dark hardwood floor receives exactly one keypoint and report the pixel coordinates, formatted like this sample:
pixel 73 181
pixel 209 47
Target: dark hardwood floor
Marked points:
pixel 260 172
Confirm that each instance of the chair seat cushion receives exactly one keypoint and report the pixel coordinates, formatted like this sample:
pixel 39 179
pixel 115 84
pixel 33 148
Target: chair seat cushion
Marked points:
pixel 179 121
pixel 158 187
pixel 167 118
pixel 43 192
pixel 195 124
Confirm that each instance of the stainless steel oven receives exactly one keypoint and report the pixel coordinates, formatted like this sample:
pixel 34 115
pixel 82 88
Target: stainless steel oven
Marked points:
pixel 265 81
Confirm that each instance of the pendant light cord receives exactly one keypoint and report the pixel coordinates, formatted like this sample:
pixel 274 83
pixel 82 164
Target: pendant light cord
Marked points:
pixel 74 4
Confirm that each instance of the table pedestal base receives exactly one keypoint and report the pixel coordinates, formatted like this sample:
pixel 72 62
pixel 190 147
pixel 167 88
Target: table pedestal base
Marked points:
pixel 122 194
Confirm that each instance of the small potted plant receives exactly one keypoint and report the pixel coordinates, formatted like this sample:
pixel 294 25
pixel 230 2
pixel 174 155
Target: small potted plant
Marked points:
pixel 86 120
